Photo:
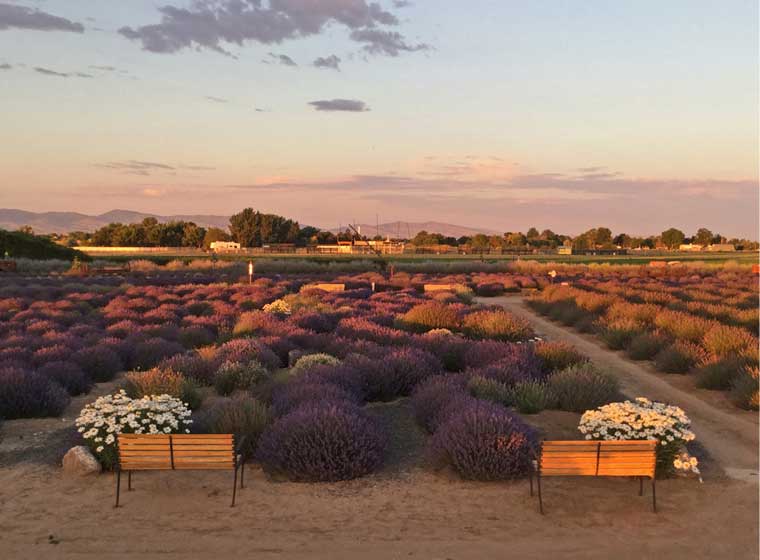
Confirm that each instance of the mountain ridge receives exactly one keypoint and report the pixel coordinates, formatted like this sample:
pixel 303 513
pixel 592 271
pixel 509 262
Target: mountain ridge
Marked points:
pixel 64 222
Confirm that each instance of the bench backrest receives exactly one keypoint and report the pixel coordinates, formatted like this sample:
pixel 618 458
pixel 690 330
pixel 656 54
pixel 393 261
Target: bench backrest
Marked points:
pixel 176 452
pixel 325 287
pixel 442 287
pixel 598 458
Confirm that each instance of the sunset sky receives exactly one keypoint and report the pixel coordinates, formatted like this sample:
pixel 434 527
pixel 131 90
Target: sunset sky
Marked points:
pixel 567 115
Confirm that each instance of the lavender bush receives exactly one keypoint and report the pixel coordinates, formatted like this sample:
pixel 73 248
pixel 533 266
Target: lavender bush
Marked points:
pixel 484 441
pixel 323 442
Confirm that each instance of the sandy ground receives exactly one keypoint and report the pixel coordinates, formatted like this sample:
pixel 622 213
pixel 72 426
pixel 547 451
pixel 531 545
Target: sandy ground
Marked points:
pixel 405 511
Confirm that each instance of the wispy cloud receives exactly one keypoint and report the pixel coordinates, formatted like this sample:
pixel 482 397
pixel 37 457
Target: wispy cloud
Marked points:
pixel 13 16
pixel 350 105
pixel 332 61
pixel 49 72
pixel 145 168
pixel 381 41
pixel 216 99
pixel 283 59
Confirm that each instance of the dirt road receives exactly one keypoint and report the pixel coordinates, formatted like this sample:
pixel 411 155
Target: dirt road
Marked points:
pixel 729 435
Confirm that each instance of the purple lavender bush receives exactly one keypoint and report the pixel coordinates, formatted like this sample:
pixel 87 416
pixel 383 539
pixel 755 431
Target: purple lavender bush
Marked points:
pixel 150 352
pixel 346 377
pixel 26 394
pixel 290 396
pixel 522 366
pixel 323 442
pixel 192 366
pixel 68 375
pixel 396 374
pixel 484 441
pixel 432 397
pixel 100 363
pixel 245 350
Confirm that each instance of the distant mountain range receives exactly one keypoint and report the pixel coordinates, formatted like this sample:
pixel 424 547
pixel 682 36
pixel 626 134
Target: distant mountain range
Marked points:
pixel 64 222
pixel 410 229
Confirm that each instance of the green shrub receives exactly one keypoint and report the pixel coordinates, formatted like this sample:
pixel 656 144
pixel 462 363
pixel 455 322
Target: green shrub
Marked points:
pixel 241 415
pixel 430 315
pixel 618 335
pixel 587 325
pixel 497 324
pixel 645 346
pixel 530 397
pixel 723 340
pixel 720 373
pixel 305 363
pixel 158 381
pixel 490 390
pixel 236 376
pixel 744 389
pixel 582 387
pixel 557 356
pixel 569 315
pixel 678 358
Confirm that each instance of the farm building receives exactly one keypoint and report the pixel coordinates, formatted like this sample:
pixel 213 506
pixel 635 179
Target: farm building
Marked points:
pixel 690 247
pixel 224 246
pixel 360 247
pixel 721 247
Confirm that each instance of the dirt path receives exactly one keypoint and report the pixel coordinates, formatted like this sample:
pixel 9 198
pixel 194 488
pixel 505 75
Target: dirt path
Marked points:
pixel 730 436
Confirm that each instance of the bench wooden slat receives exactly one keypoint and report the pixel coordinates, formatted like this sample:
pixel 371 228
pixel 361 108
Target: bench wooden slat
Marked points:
pixel 176 451
pixel 598 458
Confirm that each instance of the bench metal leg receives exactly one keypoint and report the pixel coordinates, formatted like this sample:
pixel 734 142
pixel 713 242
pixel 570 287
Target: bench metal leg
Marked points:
pixel 234 487
pixel 118 487
pixel 540 499
pixel 129 481
pixel 654 497
pixel 242 475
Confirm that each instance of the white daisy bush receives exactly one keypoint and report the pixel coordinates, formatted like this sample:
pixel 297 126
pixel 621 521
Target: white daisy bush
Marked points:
pixel 641 419
pixel 101 421
pixel 685 464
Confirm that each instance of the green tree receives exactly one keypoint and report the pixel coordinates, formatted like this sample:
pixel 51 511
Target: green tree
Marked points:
pixel 215 234
pixel 479 242
pixel 252 229
pixel 603 236
pixel 703 237
pixel 192 235
pixel 672 238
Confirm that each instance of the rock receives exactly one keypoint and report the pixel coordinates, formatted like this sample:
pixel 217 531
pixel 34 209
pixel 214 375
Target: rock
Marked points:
pixel 79 461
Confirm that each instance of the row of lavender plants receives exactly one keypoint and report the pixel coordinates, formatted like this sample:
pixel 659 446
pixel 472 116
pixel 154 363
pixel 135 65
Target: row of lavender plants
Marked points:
pixel 59 336
pixel 657 321
pixel 224 350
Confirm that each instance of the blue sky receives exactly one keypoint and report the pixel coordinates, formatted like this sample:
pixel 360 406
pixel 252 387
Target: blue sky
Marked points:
pixel 567 115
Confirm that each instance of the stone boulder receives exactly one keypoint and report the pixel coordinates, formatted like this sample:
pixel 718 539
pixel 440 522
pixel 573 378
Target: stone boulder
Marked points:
pixel 79 461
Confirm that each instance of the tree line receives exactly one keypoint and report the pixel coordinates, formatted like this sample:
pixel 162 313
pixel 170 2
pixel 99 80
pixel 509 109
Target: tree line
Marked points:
pixel 593 239
pixel 252 228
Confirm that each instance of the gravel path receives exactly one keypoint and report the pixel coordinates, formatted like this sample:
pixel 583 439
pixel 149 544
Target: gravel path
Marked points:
pixel 729 435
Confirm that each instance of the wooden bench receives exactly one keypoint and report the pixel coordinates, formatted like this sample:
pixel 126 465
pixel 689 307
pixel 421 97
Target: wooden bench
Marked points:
pixel 325 287
pixel 596 458
pixel 175 452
